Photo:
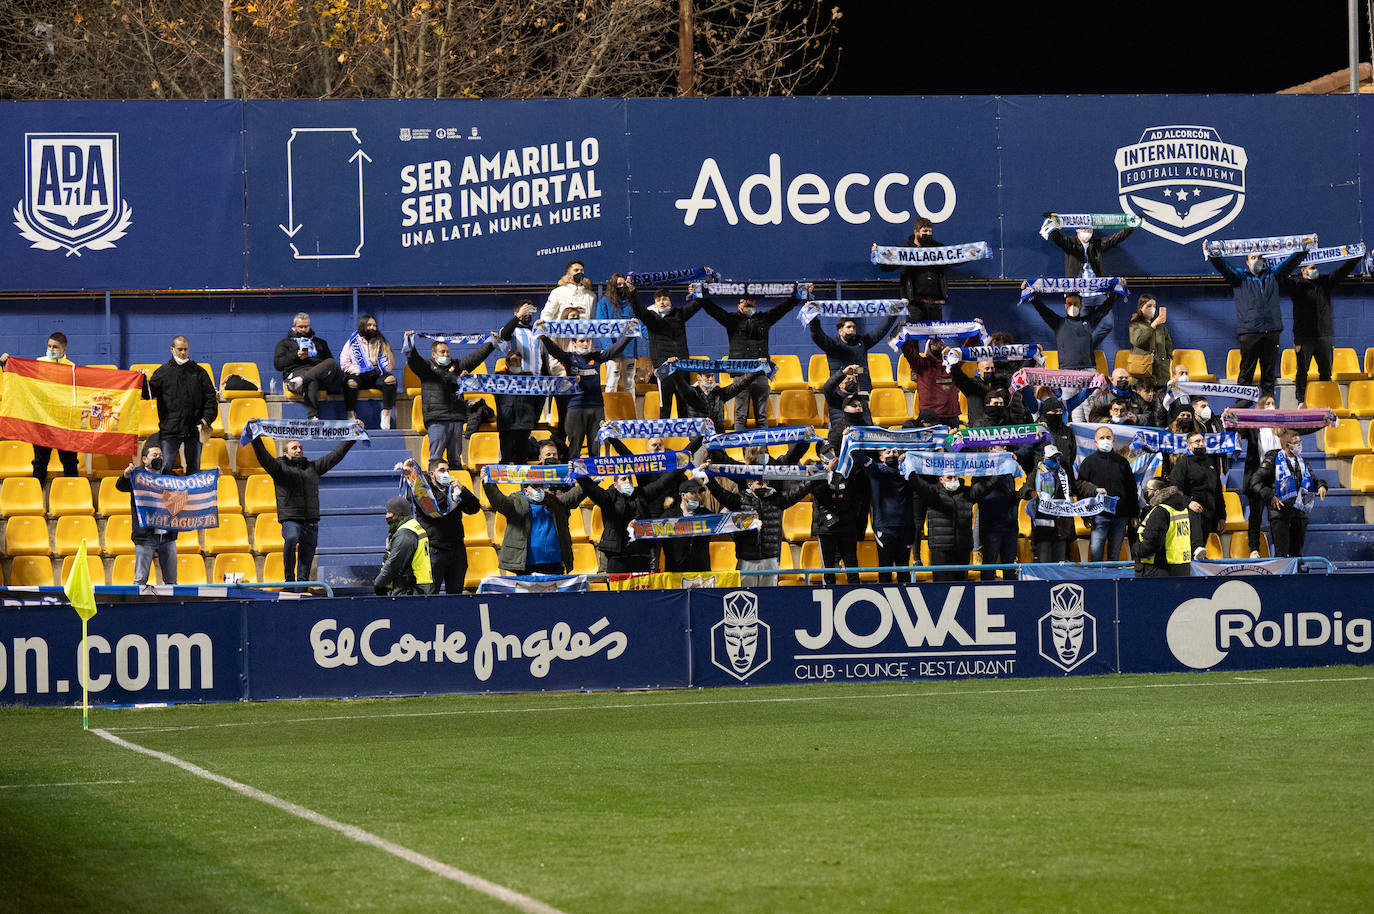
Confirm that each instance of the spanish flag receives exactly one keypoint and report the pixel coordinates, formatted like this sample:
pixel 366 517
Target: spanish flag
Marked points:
pixel 89 410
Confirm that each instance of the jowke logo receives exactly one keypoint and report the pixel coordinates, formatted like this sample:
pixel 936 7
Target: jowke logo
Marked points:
pixel 1182 181
pixel 72 193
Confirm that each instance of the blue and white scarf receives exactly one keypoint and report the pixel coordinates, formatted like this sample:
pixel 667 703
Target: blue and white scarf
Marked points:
pixel 728 366
pixel 934 463
pixel 363 353
pixel 535 583
pixel 589 330
pixel 655 428
pixel 452 339
pixel 1204 389
pixel 520 385
pixel 1174 443
pixel 1144 466
pixel 868 307
pixel 1275 244
pixel 1046 285
pixel 693 525
pixel 789 471
pixel 165 503
pixel 789 434
pixel 872 437
pixel 1084 507
pixel 630 464
pixel 751 289
pixel 949 331
pixel 307 343
pixel 302 429
pixel 1322 255
pixel 900 256
pixel 522 474
pixel 1087 221
pixel 1085 435
pixel 1303 493
pixel 1010 353
pixel 650 278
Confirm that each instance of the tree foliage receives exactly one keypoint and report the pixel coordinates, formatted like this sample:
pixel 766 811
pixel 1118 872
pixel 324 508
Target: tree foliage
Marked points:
pixel 127 49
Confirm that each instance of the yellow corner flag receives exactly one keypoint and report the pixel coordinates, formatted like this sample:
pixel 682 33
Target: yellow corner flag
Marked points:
pixel 81 592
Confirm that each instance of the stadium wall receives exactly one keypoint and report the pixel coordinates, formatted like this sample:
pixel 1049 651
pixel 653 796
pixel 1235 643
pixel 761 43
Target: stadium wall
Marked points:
pixel 343 648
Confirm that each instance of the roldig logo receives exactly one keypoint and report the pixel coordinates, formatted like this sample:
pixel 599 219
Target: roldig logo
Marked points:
pixel 1203 631
pixel 740 644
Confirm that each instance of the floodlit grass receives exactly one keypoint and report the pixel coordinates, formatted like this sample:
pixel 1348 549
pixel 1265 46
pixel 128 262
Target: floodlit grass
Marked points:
pixel 1201 792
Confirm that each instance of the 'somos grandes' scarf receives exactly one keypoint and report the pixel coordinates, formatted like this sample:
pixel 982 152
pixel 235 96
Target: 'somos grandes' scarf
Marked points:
pixel 1275 244
pixel 956 331
pixel 894 255
pixel 416 488
pixel 1087 221
pixel 791 471
pixel 693 525
pixel 1322 255
pixel 363 353
pixel 1010 353
pixel 728 366
pixel 1084 507
pixel 1046 285
pixel 520 385
pixel 535 583
pixel 1173 443
pixel 934 463
pixel 1059 378
pixel 752 289
pixel 588 330
pixel 176 502
pixel 872 437
pixel 301 429
pixel 1278 418
pixel 1302 492
pixel 869 307
pixel 647 279
pixel 452 339
pixel 630 464
pixel 787 434
pixel 991 435
pixel 1205 389
pixel 655 428
pixel 553 474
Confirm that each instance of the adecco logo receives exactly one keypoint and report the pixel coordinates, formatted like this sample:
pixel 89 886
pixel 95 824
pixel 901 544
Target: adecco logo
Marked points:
pixel 1203 631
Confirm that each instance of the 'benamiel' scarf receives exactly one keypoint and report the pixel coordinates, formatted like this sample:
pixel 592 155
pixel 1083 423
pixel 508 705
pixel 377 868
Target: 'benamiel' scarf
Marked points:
pixel 949 331
pixel 895 255
pixel 589 330
pixel 554 474
pixel 872 437
pixel 1058 378
pixel 1322 255
pixel 415 487
pixel 1087 221
pixel 650 278
pixel 1011 353
pixel 1173 443
pixel 520 385
pixel 795 472
pixel 693 525
pixel 1084 507
pixel 934 463
pixel 1276 244
pixel 728 366
pixel 630 464
pixel 655 428
pixel 301 429
pixel 1278 418
pixel 1285 487
pixel 991 435
pixel 869 307
pixel 1204 389
pixel 452 339
pixel 363 353
pixel 1056 286
pixel 788 434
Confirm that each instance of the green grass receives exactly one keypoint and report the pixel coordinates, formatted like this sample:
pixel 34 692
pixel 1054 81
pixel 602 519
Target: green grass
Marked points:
pixel 1089 794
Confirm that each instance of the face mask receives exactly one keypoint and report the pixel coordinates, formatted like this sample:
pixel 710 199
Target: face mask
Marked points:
pixel 1104 444
pixel 951 485
pixel 890 461
pixel 626 488
pixel 442 360
pixel 850 338
pixel 443 479
pixel 1200 451
pixel 1185 425
pixel 660 310
pixel 549 461
pixel 1204 413
pixel 1075 310
pixel 747 311
pixel 689 506
pixel 1149 313
pixel 54 353
pixel 1122 387
pixel 1297 446
pixel 1052 462
pixel 180 360
pixel 371 334
pixel 1054 419
pixel 525 321
pixel 155 464
pixel 535 495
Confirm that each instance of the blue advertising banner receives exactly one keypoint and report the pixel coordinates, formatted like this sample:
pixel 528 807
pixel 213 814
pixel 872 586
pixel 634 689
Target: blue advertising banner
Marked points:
pixel 775 636
pixel 802 188
pixel 163 652
pixel 495 643
pixel 1246 623
pixel 434 192
pixel 121 195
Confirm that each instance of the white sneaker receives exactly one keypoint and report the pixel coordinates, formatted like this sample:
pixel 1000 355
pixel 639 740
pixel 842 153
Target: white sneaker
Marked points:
pixel 1254 553
pixel 295 384
pixel 386 418
pixel 1199 553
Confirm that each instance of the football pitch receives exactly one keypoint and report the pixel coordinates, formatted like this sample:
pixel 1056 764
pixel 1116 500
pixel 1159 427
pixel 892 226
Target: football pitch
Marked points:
pixel 1213 792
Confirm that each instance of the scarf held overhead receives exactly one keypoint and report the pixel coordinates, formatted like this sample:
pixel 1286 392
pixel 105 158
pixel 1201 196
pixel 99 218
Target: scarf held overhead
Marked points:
pixel 1058 378
pixel 788 434
pixel 416 488
pixel 899 256
pixel 726 366
pixel 1275 244
pixel 655 428
pixel 949 331
pixel 452 339
pixel 1010 353
pixel 795 472
pixel 1322 255
pixel 1205 389
pixel 630 464
pixel 1174 443
pixel 589 330
pixel 1278 418
pixel 934 463
pixel 647 279
pixel 872 437
pixel 520 385
pixel 176 502
pixel 302 429
pixel 553 474
pixel 1046 285
pixel 1087 221
pixel 871 307
pixel 993 435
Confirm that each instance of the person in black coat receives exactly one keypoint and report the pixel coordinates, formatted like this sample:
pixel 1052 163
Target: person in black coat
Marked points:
pixel 850 347
pixel 925 288
pixel 1286 484
pixel 1083 260
pixel 894 516
pixel 306 364
pixel 844 405
pixel 1314 334
pixel 448 554
pixel 1147 405
pixel 516 415
pixel 998 503
pixel 688 553
pixel 298 501
pixel 442 405
pixel 667 329
pixel 747 330
pixel 758 550
pixel 624 502
pixel 838 510
pixel 1078 331
pixel 1111 474
pixel 1053 478
pixel 1195 475
pixel 1258 318
pixel 949 521
pixel 186 404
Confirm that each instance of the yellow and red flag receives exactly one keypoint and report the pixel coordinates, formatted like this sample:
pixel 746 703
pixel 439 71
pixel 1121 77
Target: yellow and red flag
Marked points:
pixel 70 407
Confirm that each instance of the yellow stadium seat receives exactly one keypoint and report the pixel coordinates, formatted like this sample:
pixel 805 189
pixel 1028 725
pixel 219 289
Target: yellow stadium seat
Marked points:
pixel 619 405
pixel 722 554
pixel 190 569
pixel 584 558
pixel 1240 545
pixel 811 558
pixel 118 530
pixel 1369 362
pixel 481 564
pixel 798 407
pixel 240 411
pixel 106 465
pixel 818 371
pixel 246 459
pixel 880 370
pixel 789 373
pixel 31 571
pixel 230 536
pixel 1344 439
pixel 188 542
pixel 595 531
pixel 147 419
pixel 1232 363
pixel 411 381
pixel 267 536
pixel 417 415
pixel 71 530
pixel 16 458
pixel 1362 472
pixel 259 495
pixel 1214 547
pixel 785 562
pixel 1359 399
pixel 69 496
pixel 888 406
pixel 484 448
pixel 227 495
pixel 246 370
pixel 577 527
pixel 93 562
pixel 1288 367
pixel 1326 395
pixel 272 567
pixel 1051 358
pixel 796 522
pixel 146 367
pixel 240 562
pixel 122 570
pixel 868 558
pixel 1235 515
pixel 1345 365
pixel 475 528
pixel 24 495
pixel 1100 362
pixel 215 456
pixel 651 405
pixel 27 535
pixel 1122 357
pixel 1196 360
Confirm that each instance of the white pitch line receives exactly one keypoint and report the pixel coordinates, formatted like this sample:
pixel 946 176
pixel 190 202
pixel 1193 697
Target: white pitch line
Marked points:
pixel 477 883
pixel 740 701
pixel 61 784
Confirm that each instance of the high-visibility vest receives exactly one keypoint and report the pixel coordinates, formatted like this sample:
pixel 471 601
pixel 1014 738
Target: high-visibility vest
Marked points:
pixel 419 562
pixel 1177 536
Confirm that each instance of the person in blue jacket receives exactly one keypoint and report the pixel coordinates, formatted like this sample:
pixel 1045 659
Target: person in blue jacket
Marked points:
pixel 614 305
pixel 1258 319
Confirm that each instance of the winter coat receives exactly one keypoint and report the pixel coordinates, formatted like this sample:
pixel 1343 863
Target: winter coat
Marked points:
pixel 618 509
pixel 185 395
pixel 667 332
pixel 1196 477
pixel 446 531
pixel 748 333
pixel 1312 301
pixel 949 515
pixel 1257 297
pixel 607 310
pixel 298 480
pixel 766 542
pixel 1076 337
pixel 891 498
pixel 1075 254
pixel 440 398
pixel 1158 342
pixel 1112 472
pixel 923 283
pixel 838 353
pixel 286 357
pixel 516 508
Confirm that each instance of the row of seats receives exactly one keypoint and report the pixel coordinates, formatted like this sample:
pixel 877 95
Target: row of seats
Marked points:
pixel 23 495
pixel 37 571
pixel 16 459
pixel 25 535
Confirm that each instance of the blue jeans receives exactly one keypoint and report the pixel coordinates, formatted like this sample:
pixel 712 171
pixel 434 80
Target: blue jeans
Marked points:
pixel 170 445
pixel 1108 531
pixel 300 540
pixel 446 436
pixel 166 552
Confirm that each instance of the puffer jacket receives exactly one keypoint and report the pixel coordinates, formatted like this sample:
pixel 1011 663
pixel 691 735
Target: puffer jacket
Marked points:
pixel 748 333
pixel 298 481
pixel 440 398
pixel 766 542
pixel 949 515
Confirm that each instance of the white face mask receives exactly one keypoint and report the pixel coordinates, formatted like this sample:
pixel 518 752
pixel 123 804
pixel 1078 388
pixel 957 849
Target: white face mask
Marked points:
pixel 54 353
pixel 1204 413
pixel 1104 444
pixel 535 495
pixel 660 310
pixel 180 360
pixel 689 506
pixel 443 479
pixel 626 488
pixel 1075 310
pixel 951 485
pixel 1183 378
pixel 442 359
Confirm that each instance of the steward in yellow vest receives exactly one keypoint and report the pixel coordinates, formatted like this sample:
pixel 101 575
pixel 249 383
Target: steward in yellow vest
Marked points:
pixel 406 569
pixel 1165 546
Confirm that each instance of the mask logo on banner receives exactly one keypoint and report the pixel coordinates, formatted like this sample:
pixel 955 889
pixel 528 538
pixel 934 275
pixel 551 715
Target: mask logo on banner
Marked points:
pixel 1203 631
pixel 1182 181
pixel 71 192
pixel 741 645
pixel 1067 628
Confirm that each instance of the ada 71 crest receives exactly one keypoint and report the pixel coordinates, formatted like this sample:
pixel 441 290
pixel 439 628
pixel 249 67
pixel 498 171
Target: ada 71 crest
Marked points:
pixel 71 192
